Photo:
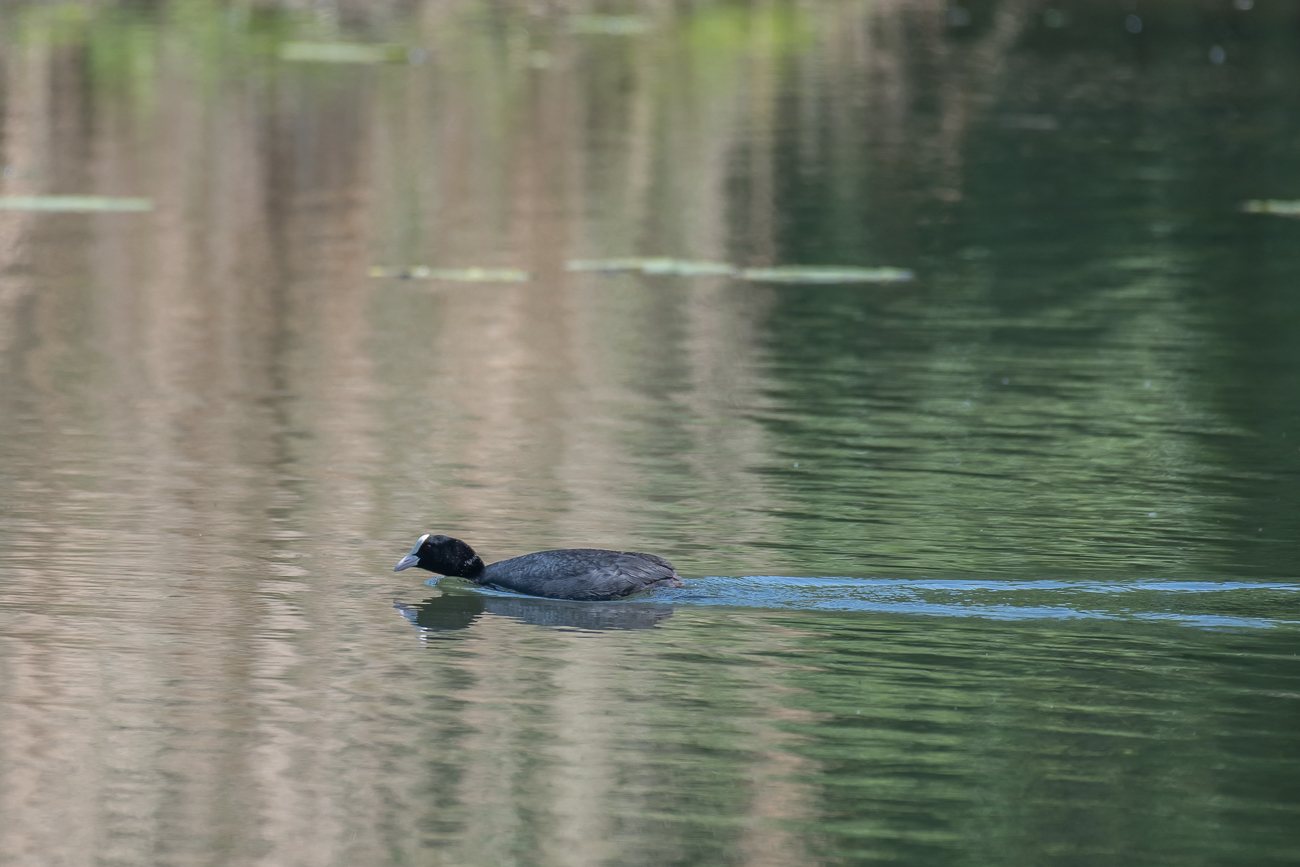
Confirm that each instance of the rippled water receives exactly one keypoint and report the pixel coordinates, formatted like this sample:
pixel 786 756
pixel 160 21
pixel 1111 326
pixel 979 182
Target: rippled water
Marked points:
pixel 742 733
pixel 993 566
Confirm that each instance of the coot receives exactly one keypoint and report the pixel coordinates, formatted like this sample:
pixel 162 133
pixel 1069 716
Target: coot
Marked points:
pixel 571 573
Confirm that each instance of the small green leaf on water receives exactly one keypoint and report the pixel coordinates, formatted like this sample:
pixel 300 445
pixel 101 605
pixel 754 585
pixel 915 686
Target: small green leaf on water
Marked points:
pixel 343 52
pixel 658 266
pixel 460 275
pixel 74 204
pixel 1278 207
pixel 682 268
pixel 826 274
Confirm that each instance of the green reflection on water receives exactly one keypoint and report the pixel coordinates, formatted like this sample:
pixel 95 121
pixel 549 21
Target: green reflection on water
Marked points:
pixel 819 738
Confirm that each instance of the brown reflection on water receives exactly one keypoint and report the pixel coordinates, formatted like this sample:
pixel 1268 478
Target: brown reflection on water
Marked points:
pixel 216 425
pixel 583 747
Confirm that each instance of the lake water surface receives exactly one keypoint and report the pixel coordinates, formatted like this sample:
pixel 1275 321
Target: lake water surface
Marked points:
pixel 994 566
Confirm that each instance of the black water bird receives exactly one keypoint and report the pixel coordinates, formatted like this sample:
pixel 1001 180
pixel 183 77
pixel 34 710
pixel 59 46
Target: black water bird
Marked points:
pixel 571 573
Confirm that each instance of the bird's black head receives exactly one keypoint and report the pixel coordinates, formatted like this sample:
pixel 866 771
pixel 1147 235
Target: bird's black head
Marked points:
pixel 443 555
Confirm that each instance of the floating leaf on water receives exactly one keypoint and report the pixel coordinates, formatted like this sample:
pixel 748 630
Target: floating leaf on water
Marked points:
pixel 684 268
pixel 1279 207
pixel 74 204
pixel 610 25
pixel 658 266
pixel 460 275
pixel 346 52
pixel 825 274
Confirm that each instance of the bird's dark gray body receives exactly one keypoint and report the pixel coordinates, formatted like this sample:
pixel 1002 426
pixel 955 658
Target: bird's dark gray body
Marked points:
pixel 581 573
pixel 588 574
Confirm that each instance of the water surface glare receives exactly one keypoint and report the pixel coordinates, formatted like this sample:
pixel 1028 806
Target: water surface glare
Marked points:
pixel 1209 603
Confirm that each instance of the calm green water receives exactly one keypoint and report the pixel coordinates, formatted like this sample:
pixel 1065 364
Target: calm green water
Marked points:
pixel 996 566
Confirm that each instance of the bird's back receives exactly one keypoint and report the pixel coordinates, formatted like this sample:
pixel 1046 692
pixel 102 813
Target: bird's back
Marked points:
pixel 581 573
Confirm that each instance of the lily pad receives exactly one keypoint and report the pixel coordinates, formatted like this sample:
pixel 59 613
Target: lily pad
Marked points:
pixel 826 274
pixel 460 275
pixel 1278 207
pixel 74 204
pixel 659 266
pixel 343 52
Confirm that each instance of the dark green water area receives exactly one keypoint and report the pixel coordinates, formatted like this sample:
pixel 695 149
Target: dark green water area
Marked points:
pixel 990 549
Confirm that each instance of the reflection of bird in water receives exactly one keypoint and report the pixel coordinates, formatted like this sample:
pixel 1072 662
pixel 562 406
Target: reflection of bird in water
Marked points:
pixel 443 613
pixel 572 573
pixel 452 611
